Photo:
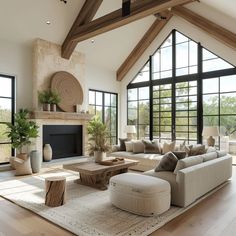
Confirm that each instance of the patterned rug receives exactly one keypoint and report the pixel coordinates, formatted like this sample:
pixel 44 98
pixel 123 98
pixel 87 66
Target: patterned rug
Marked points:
pixel 87 211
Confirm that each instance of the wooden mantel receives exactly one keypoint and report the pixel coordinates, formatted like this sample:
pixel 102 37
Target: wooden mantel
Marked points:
pixel 60 115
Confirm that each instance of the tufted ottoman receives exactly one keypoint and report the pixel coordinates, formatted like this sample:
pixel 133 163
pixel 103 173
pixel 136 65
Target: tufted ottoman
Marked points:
pixel 140 194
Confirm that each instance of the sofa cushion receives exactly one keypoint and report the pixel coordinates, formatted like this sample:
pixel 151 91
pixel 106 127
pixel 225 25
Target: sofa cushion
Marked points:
pixel 138 146
pixel 187 162
pixel 180 154
pixel 167 163
pixel 197 150
pixel 221 153
pixel 122 143
pixel 151 146
pixel 210 149
pixel 115 148
pixel 168 147
pixel 129 146
pixel 209 156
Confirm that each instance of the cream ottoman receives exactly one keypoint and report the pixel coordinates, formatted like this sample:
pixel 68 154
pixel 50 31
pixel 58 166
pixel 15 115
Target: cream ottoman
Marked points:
pixel 139 194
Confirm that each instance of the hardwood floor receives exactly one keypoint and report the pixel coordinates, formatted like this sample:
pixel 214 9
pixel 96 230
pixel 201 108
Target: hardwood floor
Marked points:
pixel 216 215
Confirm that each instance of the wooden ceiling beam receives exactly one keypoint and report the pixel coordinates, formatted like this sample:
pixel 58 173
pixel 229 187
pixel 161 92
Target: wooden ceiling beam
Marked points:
pixel 85 15
pixel 142 45
pixel 113 20
pixel 221 34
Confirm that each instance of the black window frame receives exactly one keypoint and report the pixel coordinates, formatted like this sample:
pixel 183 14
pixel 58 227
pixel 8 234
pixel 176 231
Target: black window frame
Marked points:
pixel 173 80
pixel 13 102
pixel 103 109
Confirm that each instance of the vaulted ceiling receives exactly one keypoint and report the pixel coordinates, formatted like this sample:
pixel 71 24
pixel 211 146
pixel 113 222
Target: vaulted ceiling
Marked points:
pixel 23 21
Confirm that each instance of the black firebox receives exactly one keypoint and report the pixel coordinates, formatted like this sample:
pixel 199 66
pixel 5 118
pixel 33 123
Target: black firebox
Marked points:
pixel 65 140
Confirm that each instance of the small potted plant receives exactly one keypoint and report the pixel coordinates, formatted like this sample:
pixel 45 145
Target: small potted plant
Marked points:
pixel 21 132
pixel 98 139
pixel 44 98
pixel 54 100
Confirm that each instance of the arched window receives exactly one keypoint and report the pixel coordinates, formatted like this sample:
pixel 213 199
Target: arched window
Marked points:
pixel 181 88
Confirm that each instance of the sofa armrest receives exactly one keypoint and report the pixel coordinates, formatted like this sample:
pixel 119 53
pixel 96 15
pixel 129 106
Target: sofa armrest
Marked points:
pixel 195 181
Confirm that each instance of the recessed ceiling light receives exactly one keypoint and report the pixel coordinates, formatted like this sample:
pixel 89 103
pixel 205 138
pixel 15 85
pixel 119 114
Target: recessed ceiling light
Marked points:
pixel 48 22
pixel 92 41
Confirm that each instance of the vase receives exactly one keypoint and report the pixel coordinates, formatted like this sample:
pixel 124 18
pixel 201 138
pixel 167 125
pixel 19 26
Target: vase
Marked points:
pixel 54 107
pixel 46 107
pixel 47 152
pixel 99 156
pixel 36 161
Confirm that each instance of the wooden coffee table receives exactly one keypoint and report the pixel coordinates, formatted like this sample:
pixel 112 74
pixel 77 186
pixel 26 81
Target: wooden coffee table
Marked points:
pixel 97 175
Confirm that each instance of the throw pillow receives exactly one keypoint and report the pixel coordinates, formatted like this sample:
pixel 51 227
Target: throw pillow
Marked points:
pixel 129 146
pixel 180 154
pixel 138 146
pixel 211 149
pixel 185 148
pixel 122 143
pixel 167 163
pixel 197 150
pixel 168 147
pixel 151 146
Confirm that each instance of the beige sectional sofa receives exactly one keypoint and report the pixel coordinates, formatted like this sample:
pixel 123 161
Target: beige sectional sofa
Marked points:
pixel 193 181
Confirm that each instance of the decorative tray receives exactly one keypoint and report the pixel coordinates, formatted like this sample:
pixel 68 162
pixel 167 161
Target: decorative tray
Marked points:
pixel 111 162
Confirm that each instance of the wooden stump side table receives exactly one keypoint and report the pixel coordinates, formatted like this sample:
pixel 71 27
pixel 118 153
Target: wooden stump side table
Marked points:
pixel 55 191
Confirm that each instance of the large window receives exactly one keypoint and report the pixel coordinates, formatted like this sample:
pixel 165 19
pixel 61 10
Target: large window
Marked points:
pixel 138 110
pixel 219 106
pixel 7 103
pixel 181 88
pixel 104 104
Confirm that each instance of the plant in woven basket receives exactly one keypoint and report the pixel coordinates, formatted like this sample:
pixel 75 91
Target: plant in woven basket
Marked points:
pixel 22 131
pixel 98 137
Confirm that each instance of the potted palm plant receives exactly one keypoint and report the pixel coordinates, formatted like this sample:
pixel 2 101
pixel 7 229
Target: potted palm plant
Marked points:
pixel 21 132
pixel 55 99
pixel 44 98
pixel 98 139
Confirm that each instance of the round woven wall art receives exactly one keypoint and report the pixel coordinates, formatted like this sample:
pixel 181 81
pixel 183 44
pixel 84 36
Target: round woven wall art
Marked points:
pixel 69 89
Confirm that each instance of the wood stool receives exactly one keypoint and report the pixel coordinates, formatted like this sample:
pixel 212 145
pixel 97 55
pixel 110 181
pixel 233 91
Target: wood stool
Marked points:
pixel 55 191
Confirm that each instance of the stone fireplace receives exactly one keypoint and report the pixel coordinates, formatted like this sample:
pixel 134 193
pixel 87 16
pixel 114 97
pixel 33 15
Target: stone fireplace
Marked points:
pixel 47 61
pixel 66 121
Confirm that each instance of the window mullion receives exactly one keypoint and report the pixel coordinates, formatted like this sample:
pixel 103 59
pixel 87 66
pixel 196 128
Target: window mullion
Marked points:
pixel 173 83
pixel 199 96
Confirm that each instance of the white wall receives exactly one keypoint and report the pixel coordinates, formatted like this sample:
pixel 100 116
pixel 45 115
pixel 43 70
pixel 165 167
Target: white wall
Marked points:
pixel 100 78
pixel 190 31
pixel 16 59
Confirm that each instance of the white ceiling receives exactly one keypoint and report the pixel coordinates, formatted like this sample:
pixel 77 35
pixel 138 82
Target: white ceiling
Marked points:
pixel 22 21
pixel 227 7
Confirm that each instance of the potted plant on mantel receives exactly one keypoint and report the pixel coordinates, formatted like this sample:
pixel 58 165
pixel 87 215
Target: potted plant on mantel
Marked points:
pixel 21 132
pixel 54 100
pixel 44 98
pixel 98 139
pixel 49 99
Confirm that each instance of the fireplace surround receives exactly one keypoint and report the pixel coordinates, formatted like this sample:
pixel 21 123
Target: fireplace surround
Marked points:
pixel 65 140
pixel 65 120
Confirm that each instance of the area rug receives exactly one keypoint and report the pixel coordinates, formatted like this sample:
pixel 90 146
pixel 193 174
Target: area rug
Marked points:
pixel 87 211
